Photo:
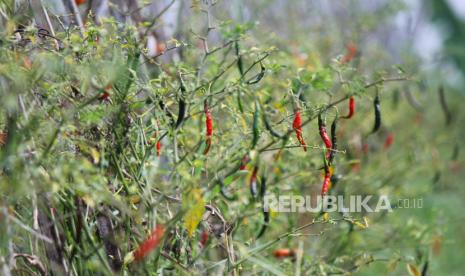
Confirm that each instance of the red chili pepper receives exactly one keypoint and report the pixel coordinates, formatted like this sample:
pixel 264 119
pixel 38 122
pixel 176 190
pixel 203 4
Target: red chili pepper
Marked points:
pixel 389 140
pixel 244 162
pixel 253 182
pixel 209 127
pixel 158 148
pixel 158 145
pixel 326 181
pixel 204 238
pixel 297 126
pixel 324 136
pixel 351 53
pixel 351 108
pixel 104 96
pixel 283 253
pixel 80 2
pixel 150 243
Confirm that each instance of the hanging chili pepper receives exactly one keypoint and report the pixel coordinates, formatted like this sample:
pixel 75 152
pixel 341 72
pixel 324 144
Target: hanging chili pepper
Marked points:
pixel 270 129
pixel 182 106
pixel 240 65
pixel 351 53
pixel 224 193
pixel 283 253
pixel 259 75
pixel 106 94
pixel 326 181
pixel 377 107
pixel 297 126
pixel 158 148
pixel 168 113
pixel 444 106
pixel 239 102
pixel 413 102
pixel 204 238
pixel 327 177
pixel 244 162
pixel 253 182
pixel 158 144
pixel 80 2
pixel 209 127
pixel 388 141
pixel 266 221
pixel 351 108
pixel 181 113
pixel 150 243
pixel 255 130
pixel 424 270
pixel 332 153
pixel 266 214
pixel 324 136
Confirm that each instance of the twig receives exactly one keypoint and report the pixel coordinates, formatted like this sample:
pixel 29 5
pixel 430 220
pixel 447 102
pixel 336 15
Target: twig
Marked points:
pixel 77 15
pixel 176 262
pixel 30 230
pixel 381 80
pixel 154 20
pixel 49 23
pixel 270 243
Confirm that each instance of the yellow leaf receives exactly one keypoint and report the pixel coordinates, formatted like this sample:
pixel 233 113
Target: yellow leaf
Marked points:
pixel 129 258
pixel 392 265
pixel 277 171
pixel 412 270
pixel 88 200
pixel 365 219
pixel 273 213
pixel 134 199
pixel 326 217
pixel 95 155
pixel 361 225
pixel 195 206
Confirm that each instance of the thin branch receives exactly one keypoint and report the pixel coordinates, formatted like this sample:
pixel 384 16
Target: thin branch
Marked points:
pixel 154 20
pixel 30 230
pixel 77 15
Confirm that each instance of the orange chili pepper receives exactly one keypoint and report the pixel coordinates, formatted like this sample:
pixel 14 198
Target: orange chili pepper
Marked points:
pixel 150 243
pixel 283 253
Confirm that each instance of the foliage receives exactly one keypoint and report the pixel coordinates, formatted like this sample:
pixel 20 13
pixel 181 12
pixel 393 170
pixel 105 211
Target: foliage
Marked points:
pixel 81 185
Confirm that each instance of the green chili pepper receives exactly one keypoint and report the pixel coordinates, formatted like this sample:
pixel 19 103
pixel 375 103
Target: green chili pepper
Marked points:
pixel 255 126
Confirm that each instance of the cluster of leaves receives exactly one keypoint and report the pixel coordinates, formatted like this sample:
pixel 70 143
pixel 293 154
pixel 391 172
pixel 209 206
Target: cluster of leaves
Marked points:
pixel 82 121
